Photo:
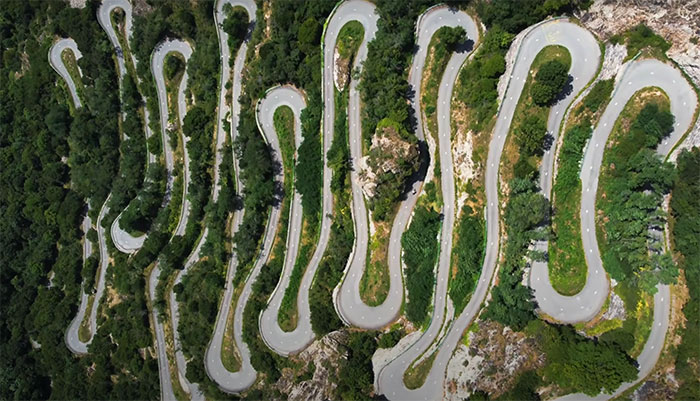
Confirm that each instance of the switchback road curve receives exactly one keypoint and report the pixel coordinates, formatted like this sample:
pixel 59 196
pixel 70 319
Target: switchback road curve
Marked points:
pixel 390 379
pixel 230 381
pixel 347 299
pixel 72 337
pixel 639 75
pixel 285 343
pixel 157 62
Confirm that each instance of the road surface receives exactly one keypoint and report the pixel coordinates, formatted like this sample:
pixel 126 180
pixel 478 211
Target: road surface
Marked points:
pixel 639 75
pixel 285 343
pixel 390 379
pixel 230 381
pixel 157 60
pixel 71 338
pixel 123 241
pixel 347 299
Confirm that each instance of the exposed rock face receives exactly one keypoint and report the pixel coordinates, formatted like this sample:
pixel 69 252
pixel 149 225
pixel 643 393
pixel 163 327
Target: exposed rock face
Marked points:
pixel 616 309
pixel 492 362
pixel 341 70
pixel 390 158
pixel 325 354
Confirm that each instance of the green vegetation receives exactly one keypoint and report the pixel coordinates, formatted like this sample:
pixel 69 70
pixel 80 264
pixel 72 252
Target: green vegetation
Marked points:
pixel 567 267
pixel 685 207
pixel 414 377
pixel 467 257
pixel 641 37
pixel 524 149
pixel 549 82
pixel 633 181
pixel 420 252
pixel 323 316
pixel 236 26
pixel 578 364
pixel 526 211
pixel 441 46
pixel 349 39
pixel 356 376
pixel 567 263
pixel 390 338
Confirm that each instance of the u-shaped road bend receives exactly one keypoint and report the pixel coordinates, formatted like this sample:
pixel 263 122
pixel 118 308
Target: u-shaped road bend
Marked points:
pixel 157 60
pixel 122 240
pixel 639 75
pixel 234 382
pixel 72 338
pixel 390 377
pixel 282 342
pixel 348 303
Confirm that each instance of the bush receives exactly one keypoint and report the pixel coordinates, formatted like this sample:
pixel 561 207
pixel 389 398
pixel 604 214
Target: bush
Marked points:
pixel 420 251
pixel 599 94
pixel 468 254
pixel 531 133
pixel 549 82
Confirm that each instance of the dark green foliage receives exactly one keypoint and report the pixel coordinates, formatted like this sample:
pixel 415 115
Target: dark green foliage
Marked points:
pixel 530 135
pixel 525 388
pixel 468 254
pixel 356 377
pixel 479 78
pixel 173 66
pixel 685 209
pixel 634 190
pixel 323 316
pixel 549 82
pixel 599 94
pixel 390 338
pixel 526 210
pixel 582 365
pixel 236 26
pixel 384 87
pixel 420 250
pixel 516 15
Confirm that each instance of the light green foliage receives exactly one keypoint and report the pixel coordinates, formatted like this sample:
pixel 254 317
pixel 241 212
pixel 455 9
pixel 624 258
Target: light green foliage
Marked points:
pixel 467 254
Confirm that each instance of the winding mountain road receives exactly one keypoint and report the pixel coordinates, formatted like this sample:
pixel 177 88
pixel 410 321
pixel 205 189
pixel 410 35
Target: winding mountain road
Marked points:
pixel 390 377
pixel 347 298
pixel 227 381
pixel 122 240
pixel 285 343
pixel 639 75
pixel 72 338
pixel 157 61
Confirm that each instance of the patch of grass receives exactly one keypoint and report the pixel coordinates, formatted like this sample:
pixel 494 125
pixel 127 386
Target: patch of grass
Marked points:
pixel 374 285
pixel 71 64
pixel 415 376
pixel 230 357
pixel 349 38
pixel 84 329
pixel 641 37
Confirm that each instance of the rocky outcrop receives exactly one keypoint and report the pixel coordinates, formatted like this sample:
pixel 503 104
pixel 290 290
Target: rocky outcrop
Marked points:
pixel 324 355
pixel 496 355
pixel 390 159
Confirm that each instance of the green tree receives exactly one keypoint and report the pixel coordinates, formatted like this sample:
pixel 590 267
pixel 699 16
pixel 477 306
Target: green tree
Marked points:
pixel 530 134
pixel 549 82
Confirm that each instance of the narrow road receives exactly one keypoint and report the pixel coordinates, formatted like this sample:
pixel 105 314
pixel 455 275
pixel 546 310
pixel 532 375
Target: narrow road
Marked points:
pixel 230 381
pixel 347 299
pixel 285 343
pixel 72 338
pixel 157 60
pixel 122 240
pixel 390 378
pixel 639 75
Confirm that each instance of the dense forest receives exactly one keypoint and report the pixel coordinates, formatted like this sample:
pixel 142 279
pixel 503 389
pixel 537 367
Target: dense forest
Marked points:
pixel 60 163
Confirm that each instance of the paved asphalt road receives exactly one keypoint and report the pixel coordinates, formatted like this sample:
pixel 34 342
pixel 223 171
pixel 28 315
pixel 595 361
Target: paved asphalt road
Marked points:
pixel 390 378
pixel 585 60
pixel 57 63
pixel 231 381
pixel 71 337
pixel 124 241
pixel 639 75
pixel 157 60
pixel 347 299
pixel 285 343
